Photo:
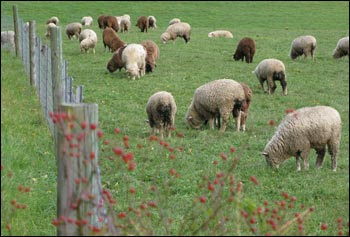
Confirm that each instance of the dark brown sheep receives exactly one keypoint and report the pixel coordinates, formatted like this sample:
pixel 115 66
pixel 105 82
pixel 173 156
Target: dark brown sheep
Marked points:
pixel 245 48
pixel 152 50
pixel 100 21
pixel 111 40
pixel 142 23
pixel 116 61
pixel 111 21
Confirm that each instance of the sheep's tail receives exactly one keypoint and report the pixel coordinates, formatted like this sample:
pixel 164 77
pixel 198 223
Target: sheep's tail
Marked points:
pixel 165 113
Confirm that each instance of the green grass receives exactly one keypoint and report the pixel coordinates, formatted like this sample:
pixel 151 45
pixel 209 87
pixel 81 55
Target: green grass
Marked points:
pixel 26 144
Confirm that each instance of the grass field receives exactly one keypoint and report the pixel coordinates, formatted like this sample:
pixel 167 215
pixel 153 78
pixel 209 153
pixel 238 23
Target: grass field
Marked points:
pixel 27 147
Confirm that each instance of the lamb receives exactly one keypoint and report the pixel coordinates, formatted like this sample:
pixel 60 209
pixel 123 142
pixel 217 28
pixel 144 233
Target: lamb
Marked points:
pixel 342 48
pixel 142 23
pixel 116 61
pixel 213 99
pixel 306 128
pixel 161 110
pixel 303 45
pixel 88 40
pixel 8 40
pixel 87 33
pixel 100 21
pixel 173 21
pixel 73 29
pixel 271 70
pixel 134 58
pixel 180 29
pixel 111 21
pixel 245 49
pixel 53 20
pixel 220 33
pixel 111 40
pixel 124 23
pixel 152 50
pixel 152 22
pixel 86 21
pixel 48 31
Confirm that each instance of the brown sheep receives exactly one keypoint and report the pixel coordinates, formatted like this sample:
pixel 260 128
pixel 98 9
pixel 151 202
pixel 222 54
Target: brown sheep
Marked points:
pixel 111 21
pixel 152 50
pixel 116 61
pixel 142 23
pixel 100 21
pixel 111 40
pixel 245 48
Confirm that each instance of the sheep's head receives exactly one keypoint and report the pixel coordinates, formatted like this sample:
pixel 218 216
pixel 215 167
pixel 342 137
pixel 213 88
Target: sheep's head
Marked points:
pixel 192 118
pixel 294 54
pixel 111 66
pixel 271 161
pixel 165 37
pixel 236 56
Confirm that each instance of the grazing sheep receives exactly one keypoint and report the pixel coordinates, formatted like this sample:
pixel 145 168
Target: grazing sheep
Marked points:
pixel 173 21
pixel 87 33
pixel 142 23
pixel 152 22
pixel 216 98
pixel 152 50
pixel 124 22
pixel 86 21
pixel 48 31
pixel 116 62
pixel 342 48
pixel 134 58
pixel 303 45
pixel 73 29
pixel 245 49
pixel 111 21
pixel 111 40
pixel 271 70
pixel 181 29
pixel 100 21
pixel 8 40
pixel 53 20
pixel 88 40
pixel 161 109
pixel 220 33
pixel 306 128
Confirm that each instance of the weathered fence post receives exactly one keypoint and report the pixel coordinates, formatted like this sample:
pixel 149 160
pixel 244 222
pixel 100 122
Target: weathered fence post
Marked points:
pixel 76 197
pixel 16 29
pixel 32 57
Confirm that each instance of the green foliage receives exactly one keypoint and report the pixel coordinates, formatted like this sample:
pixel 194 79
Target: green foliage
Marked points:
pixel 27 147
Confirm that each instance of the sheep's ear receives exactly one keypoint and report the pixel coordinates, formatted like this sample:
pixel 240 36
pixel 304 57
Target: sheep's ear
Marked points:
pixel 264 153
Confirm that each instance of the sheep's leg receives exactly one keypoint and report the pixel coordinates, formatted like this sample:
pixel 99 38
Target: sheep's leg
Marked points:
pixel 225 120
pixel 211 123
pixel 333 148
pixel 270 85
pixel 320 157
pixel 284 86
pixel 313 53
pixel 261 80
pixel 304 155
pixel 247 57
pixel 168 132
pixel 154 131
pixel 298 163
pixel 238 121
pixel 161 132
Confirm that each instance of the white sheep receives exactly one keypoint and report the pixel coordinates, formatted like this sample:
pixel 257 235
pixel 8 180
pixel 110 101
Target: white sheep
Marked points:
pixel 173 21
pixel 8 40
pixel 54 20
pixel 124 22
pixel 152 22
pixel 306 128
pixel 48 32
pixel 303 45
pixel 271 70
pixel 87 33
pixel 161 110
pixel 73 29
pixel 180 29
pixel 216 98
pixel 220 33
pixel 134 59
pixel 86 21
pixel 342 48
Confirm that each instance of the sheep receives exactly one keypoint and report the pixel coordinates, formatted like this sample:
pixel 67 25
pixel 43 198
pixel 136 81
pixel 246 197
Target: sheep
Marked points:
pixel 111 40
pixel 134 58
pixel 142 23
pixel 100 21
pixel 53 20
pixel 180 29
pixel 161 110
pixel 73 29
pixel 86 21
pixel 88 40
pixel 152 22
pixel 342 48
pixel 48 31
pixel 124 22
pixel 116 61
pixel 303 45
pixel 213 99
pixel 173 21
pixel 306 128
pixel 245 49
pixel 271 70
pixel 152 50
pixel 220 33
pixel 8 40
pixel 111 21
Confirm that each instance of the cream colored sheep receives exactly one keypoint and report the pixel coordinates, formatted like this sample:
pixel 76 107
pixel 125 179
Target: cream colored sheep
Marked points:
pixel 173 21
pixel 181 29
pixel 220 33
pixel 53 20
pixel 73 29
pixel 86 21
pixel 342 48
pixel 134 59
pixel 303 45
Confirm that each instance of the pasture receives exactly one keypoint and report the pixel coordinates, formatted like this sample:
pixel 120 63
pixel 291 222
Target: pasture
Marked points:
pixel 27 147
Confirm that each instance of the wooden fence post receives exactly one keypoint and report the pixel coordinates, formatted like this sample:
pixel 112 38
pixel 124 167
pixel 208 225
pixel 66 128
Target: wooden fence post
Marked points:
pixel 16 29
pixel 78 177
pixel 32 53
